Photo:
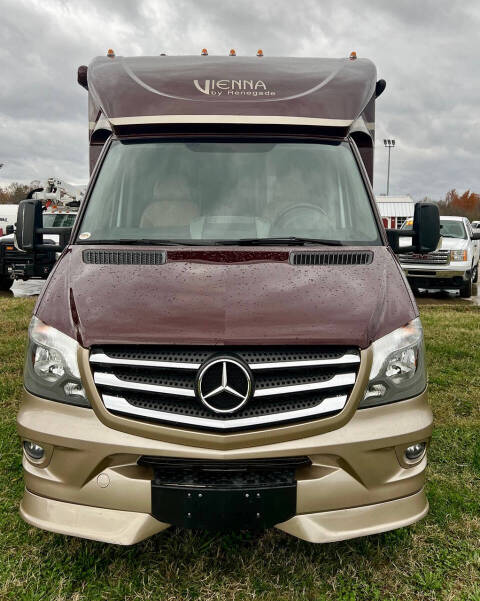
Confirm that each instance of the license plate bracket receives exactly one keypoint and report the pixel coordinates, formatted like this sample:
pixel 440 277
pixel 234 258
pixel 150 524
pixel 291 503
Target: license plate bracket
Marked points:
pixel 224 508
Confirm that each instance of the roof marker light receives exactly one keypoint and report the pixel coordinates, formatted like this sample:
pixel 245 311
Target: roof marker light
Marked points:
pixel 110 53
pixel 259 52
pixel 232 52
pixel 204 52
pixel 353 55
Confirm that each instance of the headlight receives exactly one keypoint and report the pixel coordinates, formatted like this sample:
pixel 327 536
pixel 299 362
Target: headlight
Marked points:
pixel 398 366
pixel 51 368
pixel 458 255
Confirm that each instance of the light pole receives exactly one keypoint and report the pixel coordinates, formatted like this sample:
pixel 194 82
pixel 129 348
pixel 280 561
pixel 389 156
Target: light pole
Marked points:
pixel 388 144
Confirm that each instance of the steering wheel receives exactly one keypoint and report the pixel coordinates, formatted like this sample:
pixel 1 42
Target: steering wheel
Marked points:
pixel 310 221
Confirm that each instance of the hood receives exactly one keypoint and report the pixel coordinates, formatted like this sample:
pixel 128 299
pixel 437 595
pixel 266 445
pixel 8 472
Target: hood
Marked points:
pixel 229 296
pixel 452 244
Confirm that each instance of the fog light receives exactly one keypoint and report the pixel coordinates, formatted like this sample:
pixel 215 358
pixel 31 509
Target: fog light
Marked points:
pixel 34 451
pixel 416 451
pixel 74 389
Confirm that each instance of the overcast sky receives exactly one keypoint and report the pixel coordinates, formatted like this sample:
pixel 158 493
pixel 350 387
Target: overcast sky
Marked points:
pixel 426 50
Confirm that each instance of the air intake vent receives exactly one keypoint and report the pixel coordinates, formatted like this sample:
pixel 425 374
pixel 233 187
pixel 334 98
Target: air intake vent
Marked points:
pixel 124 257
pixel 334 257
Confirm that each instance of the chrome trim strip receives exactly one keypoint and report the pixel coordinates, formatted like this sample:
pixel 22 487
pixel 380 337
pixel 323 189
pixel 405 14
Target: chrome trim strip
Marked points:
pixel 220 119
pixel 112 380
pixel 119 404
pixel 338 380
pixel 106 360
pixel 115 382
pixel 344 360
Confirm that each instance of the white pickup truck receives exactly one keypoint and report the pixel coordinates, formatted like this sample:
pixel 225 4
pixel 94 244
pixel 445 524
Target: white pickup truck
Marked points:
pixel 454 265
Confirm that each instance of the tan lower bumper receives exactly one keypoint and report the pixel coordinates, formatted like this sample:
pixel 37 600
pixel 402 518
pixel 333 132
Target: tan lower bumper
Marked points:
pixel 90 484
pixel 330 526
pixel 95 523
pixel 128 528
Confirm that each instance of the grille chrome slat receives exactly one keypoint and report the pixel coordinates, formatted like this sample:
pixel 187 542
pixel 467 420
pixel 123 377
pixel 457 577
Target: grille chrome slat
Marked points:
pixel 336 381
pixel 328 405
pixel 106 379
pixel 102 358
pixel 344 360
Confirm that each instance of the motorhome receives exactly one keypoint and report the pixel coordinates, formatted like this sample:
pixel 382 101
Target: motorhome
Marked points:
pixel 227 340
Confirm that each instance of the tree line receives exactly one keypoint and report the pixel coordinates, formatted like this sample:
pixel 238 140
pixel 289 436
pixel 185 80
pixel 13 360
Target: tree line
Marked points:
pixel 465 205
pixel 13 193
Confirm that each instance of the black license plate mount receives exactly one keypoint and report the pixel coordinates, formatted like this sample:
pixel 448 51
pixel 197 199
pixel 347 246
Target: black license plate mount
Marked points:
pixel 223 508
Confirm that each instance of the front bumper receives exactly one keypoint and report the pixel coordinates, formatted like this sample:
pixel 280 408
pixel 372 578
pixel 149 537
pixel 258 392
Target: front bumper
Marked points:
pixel 435 276
pixel 89 484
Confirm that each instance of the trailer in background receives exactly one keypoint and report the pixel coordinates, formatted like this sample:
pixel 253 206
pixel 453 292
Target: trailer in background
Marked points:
pixel 395 210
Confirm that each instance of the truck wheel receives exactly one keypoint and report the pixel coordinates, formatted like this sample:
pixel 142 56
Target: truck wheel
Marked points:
pixel 5 283
pixel 475 274
pixel 466 289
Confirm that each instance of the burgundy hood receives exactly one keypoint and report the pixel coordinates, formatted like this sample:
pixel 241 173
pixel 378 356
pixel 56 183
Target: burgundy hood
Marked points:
pixel 228 296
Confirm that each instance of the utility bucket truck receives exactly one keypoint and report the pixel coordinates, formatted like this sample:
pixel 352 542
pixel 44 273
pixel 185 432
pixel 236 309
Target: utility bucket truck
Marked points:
pixel 227 340
pixel 60 202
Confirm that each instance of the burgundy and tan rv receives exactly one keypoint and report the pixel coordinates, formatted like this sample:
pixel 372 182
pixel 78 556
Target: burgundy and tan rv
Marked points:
pixel 227 340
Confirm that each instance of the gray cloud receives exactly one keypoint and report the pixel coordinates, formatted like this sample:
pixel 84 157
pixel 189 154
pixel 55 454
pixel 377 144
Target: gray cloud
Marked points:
pixel 423 49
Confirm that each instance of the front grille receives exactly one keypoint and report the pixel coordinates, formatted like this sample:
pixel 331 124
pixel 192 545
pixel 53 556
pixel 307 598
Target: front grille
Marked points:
pixel 438 257
pixel 290 383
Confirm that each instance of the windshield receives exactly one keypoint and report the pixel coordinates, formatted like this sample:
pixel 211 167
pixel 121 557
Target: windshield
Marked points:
pixel 213 191
pixel 452 229
pixel 449 228
pixel 58 219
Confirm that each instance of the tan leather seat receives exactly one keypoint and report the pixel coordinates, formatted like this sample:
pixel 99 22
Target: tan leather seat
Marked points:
pixel 172 207
pixel 165 213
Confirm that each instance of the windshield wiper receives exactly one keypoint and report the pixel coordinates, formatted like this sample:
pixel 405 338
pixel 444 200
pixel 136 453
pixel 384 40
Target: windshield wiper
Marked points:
pixel 141 242
pixel 292 240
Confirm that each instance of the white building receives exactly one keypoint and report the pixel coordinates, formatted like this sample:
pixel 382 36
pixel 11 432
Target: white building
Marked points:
pixel 394 210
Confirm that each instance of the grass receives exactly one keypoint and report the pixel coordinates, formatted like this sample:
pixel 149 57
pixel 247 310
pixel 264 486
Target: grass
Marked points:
pixel 438 558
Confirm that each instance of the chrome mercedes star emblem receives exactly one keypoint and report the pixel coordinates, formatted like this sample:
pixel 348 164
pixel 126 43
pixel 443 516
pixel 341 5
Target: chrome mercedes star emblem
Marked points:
pixel 224 384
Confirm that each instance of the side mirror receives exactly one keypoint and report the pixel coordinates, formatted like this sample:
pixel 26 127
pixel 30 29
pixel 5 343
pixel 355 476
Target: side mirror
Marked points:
pixel 426 227
pixel 30 230
pixel 10 229
pixel 29 220
pixel 425 233
pixel 475 234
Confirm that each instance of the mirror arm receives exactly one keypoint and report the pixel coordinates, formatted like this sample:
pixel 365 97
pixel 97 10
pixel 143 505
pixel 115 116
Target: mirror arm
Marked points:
pixel 63 233
pixel 54 230
pixel 393 239
pixel 49 247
